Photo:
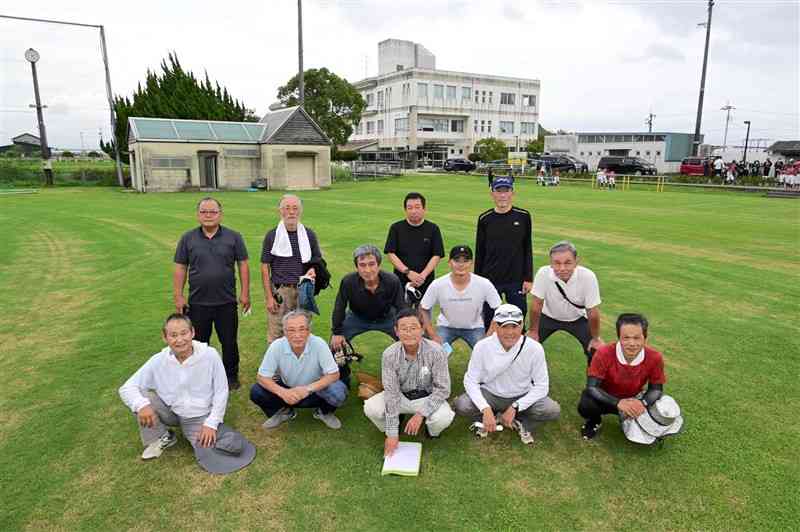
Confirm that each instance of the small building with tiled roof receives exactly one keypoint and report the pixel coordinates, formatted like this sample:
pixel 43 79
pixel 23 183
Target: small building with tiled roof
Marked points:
pixel 285 150
pixel 786 148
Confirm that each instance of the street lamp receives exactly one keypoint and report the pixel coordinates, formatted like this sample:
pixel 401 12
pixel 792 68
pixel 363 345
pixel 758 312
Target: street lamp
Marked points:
pixel 746 139
pixel 32 56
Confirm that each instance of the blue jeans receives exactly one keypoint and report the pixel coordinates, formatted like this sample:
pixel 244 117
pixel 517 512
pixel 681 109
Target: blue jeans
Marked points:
pixel 354 325
pixel 451 334
pixel 511 293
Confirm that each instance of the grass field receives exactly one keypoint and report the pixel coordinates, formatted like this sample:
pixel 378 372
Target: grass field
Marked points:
pixel 85 280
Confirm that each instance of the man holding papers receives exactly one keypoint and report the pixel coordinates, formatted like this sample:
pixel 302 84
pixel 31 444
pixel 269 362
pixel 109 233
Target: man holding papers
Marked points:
pixel 416 381
pixel 507 375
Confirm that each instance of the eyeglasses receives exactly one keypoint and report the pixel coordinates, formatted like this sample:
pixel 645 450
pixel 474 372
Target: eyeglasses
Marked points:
pixel 212 213
pixel 410 329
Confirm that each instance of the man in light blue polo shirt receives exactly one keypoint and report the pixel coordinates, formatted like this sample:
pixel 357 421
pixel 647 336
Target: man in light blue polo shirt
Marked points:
pixel 298 371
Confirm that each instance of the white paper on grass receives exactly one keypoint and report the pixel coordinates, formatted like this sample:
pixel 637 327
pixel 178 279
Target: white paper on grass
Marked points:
pixel 405 460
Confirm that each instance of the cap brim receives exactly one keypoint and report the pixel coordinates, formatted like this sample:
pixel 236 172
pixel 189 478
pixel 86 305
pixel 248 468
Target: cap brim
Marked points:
pixel 220 463
pixel 656 429
pixel 633 432
pixel 506 322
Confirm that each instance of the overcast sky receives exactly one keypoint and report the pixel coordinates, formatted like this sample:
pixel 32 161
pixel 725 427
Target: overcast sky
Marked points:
pixel 603 64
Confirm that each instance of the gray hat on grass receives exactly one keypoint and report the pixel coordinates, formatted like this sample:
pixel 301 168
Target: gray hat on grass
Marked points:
pixel 232 452
pixel 661 419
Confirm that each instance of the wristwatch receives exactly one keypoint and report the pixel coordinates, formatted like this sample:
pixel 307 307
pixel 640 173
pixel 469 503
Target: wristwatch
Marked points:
pixel 406 270
pixel 310 389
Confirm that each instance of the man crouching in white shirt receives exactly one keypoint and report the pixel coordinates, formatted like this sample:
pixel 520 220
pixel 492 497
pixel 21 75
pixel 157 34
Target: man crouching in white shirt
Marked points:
pixel 184 384
pixel 507 375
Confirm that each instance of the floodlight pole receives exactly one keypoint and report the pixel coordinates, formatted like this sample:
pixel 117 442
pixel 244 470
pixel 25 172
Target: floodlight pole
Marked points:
pixel 32 56
pixel 109 93
pixel 696 141
pixel 301 90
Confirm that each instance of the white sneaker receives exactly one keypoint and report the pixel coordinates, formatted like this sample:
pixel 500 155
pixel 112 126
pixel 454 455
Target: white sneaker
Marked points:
pixel 524 436
pixel 282 415
pixel 154 450
pixel 330 420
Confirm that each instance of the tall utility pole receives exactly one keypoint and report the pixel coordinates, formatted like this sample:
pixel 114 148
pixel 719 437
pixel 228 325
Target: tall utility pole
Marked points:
pixel 108 78
pixel 301 82
pixel 746 139
pixel 696 142
pixel 32 56
pixel 727 108
pixel 649 122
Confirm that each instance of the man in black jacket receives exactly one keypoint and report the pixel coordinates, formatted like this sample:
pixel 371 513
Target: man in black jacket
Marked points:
pixel 504 247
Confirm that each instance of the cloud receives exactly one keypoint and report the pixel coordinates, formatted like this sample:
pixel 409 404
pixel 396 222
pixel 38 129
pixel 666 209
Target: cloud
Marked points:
pixel 656 52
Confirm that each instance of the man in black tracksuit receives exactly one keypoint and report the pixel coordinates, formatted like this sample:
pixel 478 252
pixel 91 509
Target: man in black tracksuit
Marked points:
pixel 504 247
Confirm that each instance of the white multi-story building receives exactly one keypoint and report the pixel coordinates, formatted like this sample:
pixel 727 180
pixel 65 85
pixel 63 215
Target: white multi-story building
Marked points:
pixel 422 116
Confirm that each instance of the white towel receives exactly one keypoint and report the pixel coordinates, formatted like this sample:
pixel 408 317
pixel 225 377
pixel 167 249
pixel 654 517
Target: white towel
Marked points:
pixel 282 247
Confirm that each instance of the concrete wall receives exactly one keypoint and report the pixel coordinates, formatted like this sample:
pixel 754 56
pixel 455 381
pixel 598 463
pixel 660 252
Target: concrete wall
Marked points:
pixel 274 156
pixel 233 172
pixel 407 54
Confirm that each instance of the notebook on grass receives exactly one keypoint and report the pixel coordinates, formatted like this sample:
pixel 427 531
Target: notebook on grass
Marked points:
pixel 405 460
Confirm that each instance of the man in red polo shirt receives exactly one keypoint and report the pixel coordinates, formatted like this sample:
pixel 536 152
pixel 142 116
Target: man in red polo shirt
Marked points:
pixel 618 373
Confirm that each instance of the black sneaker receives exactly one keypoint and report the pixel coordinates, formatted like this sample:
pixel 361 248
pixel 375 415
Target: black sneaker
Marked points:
pixel 590 429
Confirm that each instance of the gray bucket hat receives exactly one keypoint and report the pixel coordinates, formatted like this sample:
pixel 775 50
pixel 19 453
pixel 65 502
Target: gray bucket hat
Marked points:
pixel 662 418
pixel 232 452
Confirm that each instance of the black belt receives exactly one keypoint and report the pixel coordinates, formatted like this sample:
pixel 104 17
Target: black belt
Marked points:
pixel 284 285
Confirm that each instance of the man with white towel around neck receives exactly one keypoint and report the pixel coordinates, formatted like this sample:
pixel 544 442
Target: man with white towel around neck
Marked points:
pixel 286 251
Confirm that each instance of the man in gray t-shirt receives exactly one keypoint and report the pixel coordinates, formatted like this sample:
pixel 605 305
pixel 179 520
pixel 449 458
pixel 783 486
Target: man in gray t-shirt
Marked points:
pixel 207 255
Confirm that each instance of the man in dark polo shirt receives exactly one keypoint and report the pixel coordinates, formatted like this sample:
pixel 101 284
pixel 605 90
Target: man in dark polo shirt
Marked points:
pixel 414 245
pixel 285 255
pixel 372 295
pixel 208 254
pixel 617 375
pixel 504 247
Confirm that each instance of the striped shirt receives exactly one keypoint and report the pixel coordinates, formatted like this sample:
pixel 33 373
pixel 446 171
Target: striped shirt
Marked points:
pixel 287 270
pixel 427 371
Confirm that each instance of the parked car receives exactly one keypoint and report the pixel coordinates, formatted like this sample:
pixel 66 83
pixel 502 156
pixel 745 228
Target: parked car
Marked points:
pixel 696 166
pixel 558 162
pixel 580 166
pixel 626 165
pixel 455 165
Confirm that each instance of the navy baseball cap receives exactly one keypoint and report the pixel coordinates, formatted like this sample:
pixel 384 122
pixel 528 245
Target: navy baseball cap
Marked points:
pixel 502 182
pixel 461 251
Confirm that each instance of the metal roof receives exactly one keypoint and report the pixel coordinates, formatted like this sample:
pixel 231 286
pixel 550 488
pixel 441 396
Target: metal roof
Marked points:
pixel 175 130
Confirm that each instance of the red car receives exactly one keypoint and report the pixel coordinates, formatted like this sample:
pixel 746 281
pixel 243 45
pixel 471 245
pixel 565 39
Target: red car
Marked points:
pixel 695 166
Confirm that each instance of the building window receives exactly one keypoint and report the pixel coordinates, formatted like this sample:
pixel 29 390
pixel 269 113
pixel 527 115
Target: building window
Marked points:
pixel 380 127
pixel 638 152
pixel 370 99
pixel 170 162
pixel 526 128
pixel 529 100
pixel 441 125
pixel 482 125
pixel 438 92
pixel 477 95
pixel 370 128
pixel 506 127
pixel 400 125
pixel 461 151
pixel 489 126
pixel 581 154
pixel 658 153
pixel 506 98
pixel 490 96
pixel 359 128
pixel 647 152
pixel 457 126
pixel 451 92
pixel 380 99
pixel 483 96
pixel 465 93
pixel 422 90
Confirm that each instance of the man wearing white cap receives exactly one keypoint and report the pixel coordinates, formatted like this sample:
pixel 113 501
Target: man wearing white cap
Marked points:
pixel 617 375
pixel 566 297
pixel 507 376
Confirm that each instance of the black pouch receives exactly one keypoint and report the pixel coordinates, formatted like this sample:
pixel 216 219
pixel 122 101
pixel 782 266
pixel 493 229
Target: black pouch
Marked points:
pixel 413 395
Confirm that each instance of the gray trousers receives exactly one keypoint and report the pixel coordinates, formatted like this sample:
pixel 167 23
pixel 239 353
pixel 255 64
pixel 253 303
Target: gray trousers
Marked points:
pixel 544 409
pixel 190 426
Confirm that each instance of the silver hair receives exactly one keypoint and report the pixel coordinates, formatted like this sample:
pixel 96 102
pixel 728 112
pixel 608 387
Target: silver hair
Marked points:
pixel 291 196
pixel 209 198
pixel 564 245
pixel 295 313
pixel 366 249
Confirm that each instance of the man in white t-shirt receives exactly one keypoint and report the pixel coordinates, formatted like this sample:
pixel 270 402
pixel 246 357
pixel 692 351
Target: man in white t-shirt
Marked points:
pixel 460 295
pixel 566 297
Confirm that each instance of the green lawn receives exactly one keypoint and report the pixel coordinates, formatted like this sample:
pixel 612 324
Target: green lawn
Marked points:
pixel 85 280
